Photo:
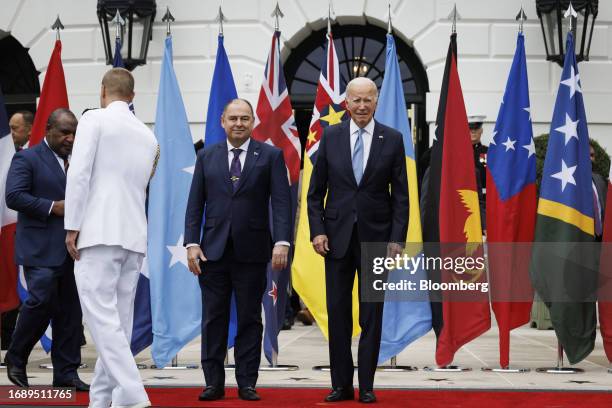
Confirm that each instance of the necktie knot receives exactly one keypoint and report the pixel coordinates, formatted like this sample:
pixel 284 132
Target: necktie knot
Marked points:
pixel 236 152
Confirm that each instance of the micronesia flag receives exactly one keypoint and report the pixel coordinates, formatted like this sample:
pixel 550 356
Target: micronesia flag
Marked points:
pixel 176 302
pixel 222 90
pixel 275 125
pixel 142 334
pixel 511 204
pixel 404 320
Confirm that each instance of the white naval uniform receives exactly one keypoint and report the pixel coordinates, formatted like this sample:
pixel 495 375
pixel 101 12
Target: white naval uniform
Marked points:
pixel 112 161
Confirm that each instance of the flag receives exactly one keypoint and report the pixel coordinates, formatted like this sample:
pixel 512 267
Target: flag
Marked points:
pixel 605 278
pixel 222 90
pixel 565 218
pixel 8 220
pixel 275 125
pixel 511 204
pixel 308 269
pixel 175 293
pixel 53 95
pixel 118 63
pixel 459 222
pixel 403 322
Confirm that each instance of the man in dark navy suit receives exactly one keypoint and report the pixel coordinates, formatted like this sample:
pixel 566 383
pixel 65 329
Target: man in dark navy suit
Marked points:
pixel 361 168
pixel 35 188
pixel 236 181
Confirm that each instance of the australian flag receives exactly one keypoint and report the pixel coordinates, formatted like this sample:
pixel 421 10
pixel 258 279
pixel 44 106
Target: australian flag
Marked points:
pixel 275 125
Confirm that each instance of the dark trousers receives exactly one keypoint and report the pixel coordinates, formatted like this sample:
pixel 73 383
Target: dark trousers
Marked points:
pixel 248 282
pixel 52 296
pixel 339 279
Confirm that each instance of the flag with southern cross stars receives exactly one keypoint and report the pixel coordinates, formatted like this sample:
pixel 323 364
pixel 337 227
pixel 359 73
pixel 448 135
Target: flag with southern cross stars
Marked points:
pixel 565 218
pixel 275 125
pixel 511 203
pixel 308 270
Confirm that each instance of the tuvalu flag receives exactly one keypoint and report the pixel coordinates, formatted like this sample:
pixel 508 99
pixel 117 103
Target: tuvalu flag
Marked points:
pixel 511 204
pixel 562 269
pixel 308 269
pixel 459 220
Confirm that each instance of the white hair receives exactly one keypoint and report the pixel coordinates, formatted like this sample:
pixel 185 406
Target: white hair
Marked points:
pixel 361 81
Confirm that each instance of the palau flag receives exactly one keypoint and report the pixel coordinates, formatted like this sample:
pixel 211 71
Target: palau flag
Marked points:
pixel 563 269
pixel 511 204
pixel 403 321
pixel 175 294
pixel 222 90
pixel 275 125
pixel 308 269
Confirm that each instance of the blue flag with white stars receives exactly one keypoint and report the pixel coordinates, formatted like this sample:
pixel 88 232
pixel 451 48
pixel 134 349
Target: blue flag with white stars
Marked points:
pixel 566 178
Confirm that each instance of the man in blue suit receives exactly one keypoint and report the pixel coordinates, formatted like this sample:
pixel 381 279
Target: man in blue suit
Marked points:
pixel 235 181
pixel 35 188
pixel 358 194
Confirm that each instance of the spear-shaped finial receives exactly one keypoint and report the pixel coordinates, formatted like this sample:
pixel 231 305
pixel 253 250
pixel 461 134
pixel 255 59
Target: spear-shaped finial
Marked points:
pixel 389 25
pixel 168 18
pixel 221 19
pixel 277 14
pixel 454 16
pixel 119 23
pixel 521 17
pixel 571 13
pixel 57 26
pixel 330 16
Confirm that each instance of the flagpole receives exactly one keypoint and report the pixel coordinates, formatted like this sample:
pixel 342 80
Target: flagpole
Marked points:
pixel 560 369
pixel 520 17
pixel 274 366
pixel 393 367
pixel 168 18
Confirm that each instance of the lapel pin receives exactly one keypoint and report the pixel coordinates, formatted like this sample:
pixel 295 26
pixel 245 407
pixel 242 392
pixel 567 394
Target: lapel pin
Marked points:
pixel 256 153
pixel 380 136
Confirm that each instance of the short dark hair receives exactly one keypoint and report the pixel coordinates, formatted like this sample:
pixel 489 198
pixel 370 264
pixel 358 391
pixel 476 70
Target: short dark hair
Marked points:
pixel 56 115
pixel 28 117
pixel 238 100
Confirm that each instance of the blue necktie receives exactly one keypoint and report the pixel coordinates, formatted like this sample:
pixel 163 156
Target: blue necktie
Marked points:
pixel 358 157
pixel 235 168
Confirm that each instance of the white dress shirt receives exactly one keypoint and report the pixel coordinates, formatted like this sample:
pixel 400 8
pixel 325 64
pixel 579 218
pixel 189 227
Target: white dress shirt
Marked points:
pixel 367 135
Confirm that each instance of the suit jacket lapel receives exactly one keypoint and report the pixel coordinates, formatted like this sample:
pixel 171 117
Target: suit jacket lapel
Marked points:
pixel 345 149
pixel 251 158
pixel 375 149
pixel 51 161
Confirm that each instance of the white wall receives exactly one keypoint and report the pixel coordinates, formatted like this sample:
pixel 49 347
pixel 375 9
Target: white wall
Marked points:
pixel 486 41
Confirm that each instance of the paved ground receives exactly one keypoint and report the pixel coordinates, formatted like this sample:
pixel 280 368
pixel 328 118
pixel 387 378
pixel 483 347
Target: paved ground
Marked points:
pixel 305 347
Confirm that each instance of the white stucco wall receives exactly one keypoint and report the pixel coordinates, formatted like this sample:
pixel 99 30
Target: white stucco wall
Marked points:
pixel 486 41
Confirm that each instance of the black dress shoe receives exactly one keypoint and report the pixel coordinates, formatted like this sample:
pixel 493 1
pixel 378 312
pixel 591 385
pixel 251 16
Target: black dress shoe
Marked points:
pixel 248 394
pixel 341 394
pixel 75 383
pixel 17 375
pixel 367 397
pixel 212 393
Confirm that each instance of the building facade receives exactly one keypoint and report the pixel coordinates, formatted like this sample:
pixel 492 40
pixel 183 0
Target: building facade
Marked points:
pixel 486 41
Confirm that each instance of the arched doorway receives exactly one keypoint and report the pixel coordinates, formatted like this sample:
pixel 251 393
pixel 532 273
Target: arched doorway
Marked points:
pixel 361 52
pixel 18 75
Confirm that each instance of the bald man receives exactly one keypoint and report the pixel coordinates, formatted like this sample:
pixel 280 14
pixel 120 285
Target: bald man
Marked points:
pixel 361 168
pixel 111 166
pixel 21 128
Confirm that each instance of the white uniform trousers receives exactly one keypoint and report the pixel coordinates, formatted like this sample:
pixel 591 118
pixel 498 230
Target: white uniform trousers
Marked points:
pixel 106 278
